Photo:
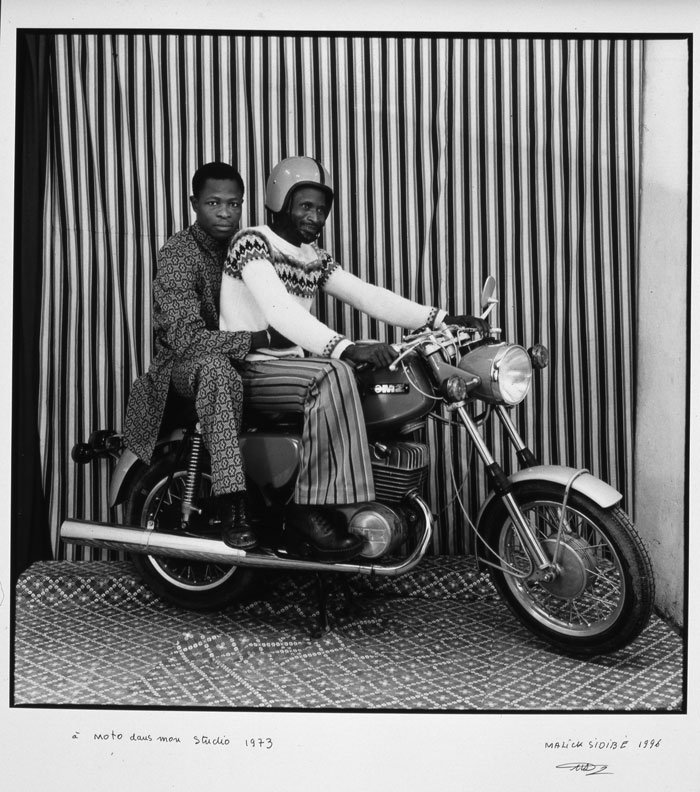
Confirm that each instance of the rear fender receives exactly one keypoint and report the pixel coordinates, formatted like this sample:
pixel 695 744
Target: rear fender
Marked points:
pixel 128 465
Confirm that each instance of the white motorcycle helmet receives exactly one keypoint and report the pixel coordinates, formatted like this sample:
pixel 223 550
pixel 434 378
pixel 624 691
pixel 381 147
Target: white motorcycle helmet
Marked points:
pixel 295 172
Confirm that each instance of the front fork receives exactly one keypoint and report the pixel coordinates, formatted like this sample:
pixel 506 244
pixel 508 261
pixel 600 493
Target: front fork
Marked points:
pixel 543 568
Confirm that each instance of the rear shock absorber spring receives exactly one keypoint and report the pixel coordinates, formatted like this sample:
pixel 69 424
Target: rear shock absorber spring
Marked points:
pixel 194 474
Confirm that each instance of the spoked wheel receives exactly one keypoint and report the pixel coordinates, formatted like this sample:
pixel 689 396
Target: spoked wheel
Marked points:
pixel 197 585
pixel 602 594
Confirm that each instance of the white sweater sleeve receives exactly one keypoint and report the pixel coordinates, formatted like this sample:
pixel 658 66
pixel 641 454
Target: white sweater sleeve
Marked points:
pixel 380 303
pixel 286 315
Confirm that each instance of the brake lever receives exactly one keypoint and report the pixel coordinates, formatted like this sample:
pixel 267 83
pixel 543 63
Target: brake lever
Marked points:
pixel 394 365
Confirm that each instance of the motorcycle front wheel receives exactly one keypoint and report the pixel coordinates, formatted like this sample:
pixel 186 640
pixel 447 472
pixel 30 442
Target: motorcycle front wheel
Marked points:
pixel 195 585
pixel 602 595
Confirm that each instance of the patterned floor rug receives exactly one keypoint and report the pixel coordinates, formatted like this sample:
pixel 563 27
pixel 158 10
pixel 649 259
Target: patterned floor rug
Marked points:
pixel 90 634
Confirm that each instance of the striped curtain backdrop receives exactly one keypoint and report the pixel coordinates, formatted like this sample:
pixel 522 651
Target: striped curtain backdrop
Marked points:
pixel 453 158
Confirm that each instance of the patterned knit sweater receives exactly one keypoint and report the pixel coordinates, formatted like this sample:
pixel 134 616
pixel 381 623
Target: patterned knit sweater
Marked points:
pixel 270 282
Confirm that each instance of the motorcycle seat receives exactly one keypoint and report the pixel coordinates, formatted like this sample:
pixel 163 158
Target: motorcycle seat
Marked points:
pixel 278 422
pixel 181 413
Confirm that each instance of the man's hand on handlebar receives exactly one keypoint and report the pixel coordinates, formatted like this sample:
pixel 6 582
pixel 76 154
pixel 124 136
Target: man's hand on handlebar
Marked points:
pixel 464 320
pixel 375 355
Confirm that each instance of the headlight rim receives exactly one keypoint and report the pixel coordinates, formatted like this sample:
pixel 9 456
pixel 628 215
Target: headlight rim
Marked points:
pixel 490 364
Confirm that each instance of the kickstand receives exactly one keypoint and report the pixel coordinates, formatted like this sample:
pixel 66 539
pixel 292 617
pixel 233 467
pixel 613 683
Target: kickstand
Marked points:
pixel 352 609
pixel 321 625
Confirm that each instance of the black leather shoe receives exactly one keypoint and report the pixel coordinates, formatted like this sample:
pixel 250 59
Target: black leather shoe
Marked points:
pixel 313 533
pixel 236 530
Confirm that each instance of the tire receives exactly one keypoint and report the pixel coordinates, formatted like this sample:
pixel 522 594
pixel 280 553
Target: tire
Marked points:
pixel 604 595
pixel 195 585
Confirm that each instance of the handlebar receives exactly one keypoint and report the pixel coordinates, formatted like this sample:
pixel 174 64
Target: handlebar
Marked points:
pixel 449 338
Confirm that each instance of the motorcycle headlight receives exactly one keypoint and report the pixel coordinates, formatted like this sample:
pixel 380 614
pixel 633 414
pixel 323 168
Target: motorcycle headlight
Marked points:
pixel 505 372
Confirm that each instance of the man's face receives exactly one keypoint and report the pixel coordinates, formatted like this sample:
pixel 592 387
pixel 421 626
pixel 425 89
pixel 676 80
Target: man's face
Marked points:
pixel 218 207
pixel 308 211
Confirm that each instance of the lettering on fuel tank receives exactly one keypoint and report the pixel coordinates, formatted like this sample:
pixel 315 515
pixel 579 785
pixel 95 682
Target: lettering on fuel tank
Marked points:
pixel 390 388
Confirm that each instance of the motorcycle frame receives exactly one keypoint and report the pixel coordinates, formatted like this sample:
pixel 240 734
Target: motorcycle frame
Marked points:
pixel 147 541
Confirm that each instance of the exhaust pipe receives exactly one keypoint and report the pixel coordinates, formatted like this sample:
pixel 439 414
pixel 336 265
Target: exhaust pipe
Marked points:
pixel 139 540
pixel 142 541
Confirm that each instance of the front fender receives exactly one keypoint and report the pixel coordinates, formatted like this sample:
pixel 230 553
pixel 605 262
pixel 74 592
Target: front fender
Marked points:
pixel 590 486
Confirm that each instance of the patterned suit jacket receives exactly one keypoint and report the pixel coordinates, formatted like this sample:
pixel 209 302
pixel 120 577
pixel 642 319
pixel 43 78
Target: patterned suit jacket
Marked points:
pixel 185 325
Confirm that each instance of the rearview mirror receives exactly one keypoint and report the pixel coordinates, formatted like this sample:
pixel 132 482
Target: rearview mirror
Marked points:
pixel 488 291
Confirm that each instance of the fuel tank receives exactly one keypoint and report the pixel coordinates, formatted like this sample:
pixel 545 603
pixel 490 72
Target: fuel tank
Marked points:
pixel 392 398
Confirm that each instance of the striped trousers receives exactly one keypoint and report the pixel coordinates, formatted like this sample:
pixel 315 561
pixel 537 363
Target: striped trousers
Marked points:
pixel 335 463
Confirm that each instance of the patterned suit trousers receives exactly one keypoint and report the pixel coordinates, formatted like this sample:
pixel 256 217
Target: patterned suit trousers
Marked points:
pixel 335 465
pixel 217 390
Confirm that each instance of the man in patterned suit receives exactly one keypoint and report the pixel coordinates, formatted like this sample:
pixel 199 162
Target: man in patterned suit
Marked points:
pixel 191 353
pixel 271 277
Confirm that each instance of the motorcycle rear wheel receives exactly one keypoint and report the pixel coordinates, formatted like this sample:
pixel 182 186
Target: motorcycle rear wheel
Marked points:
pixel 195 585
pixel 602 597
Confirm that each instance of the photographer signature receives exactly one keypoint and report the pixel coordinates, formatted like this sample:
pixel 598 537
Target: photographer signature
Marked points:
pixel 585 767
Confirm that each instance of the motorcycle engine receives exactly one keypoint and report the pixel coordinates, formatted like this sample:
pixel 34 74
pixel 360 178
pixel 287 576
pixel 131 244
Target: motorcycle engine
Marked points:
pixel 382 529
pixel 398 468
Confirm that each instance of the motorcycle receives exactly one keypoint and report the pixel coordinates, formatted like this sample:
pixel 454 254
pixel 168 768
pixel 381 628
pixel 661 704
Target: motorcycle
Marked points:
pixel 558 547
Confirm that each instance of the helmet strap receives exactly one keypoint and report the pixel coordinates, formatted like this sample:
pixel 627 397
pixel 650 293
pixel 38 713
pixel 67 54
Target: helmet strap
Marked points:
pixel 282 226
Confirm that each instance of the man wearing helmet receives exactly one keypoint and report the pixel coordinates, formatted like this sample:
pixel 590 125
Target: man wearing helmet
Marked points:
pixel 271 276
